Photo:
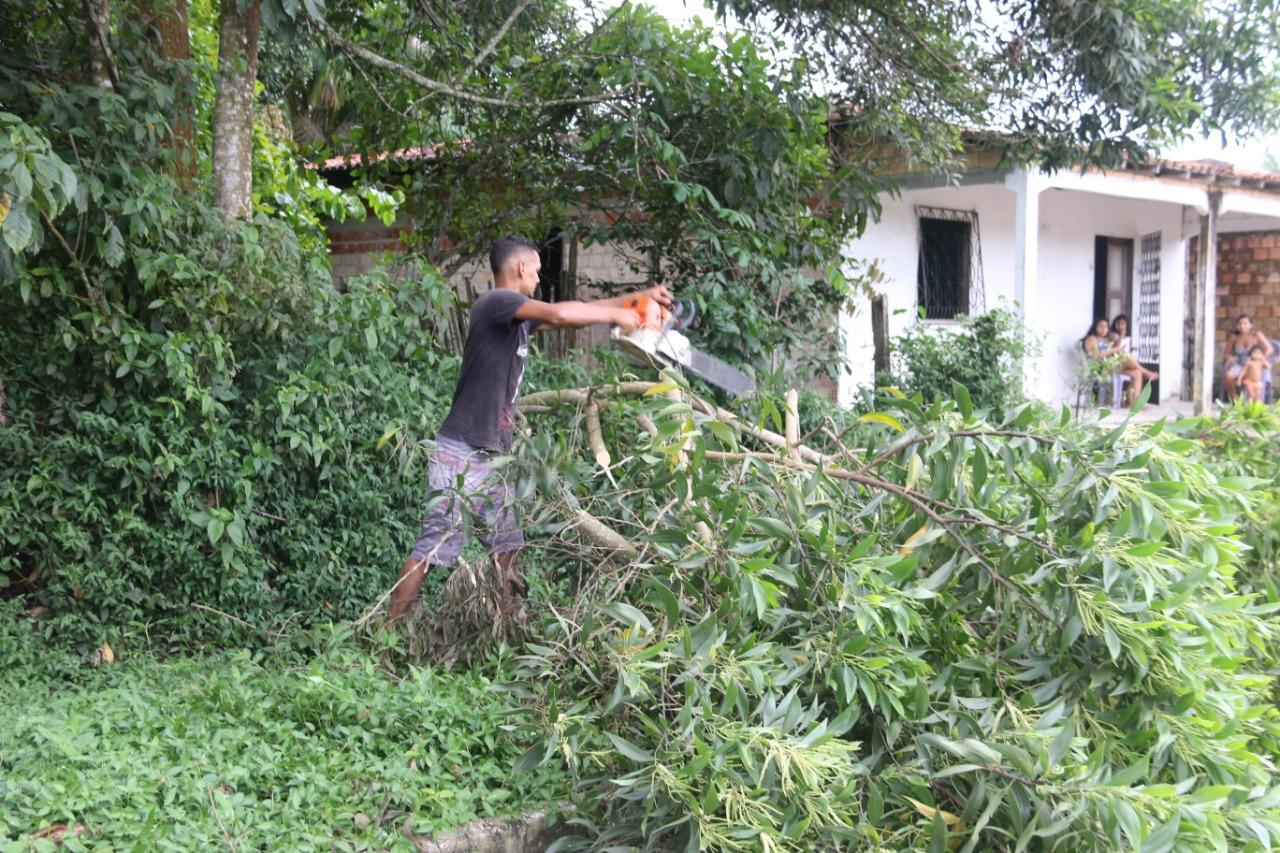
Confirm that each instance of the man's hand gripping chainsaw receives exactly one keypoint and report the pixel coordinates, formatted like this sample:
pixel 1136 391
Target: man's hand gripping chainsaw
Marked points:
pixel 658 342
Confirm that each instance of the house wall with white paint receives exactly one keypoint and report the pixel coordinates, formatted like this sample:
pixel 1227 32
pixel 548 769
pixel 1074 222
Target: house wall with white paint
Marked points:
pixel 1062 299
pixel 892 244
pixel 1069 223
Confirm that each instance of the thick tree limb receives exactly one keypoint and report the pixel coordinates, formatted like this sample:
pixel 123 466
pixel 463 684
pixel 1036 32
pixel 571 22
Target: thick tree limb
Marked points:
pixel 598 533
pixel 595 436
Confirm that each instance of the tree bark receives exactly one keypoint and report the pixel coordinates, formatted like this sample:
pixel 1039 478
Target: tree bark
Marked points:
pixel 165 24
pixel 102 65
pixel 233 112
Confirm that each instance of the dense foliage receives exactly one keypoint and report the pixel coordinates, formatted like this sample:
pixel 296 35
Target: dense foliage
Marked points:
pixel 274 751
pixel 955 631
pixel 1245 442
pixel 985 354
pixel 708 163
pixel 1058 82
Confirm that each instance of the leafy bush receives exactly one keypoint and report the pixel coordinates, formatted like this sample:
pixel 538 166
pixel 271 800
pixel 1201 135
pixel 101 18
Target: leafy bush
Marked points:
pixel 1245 442
pixel 958 632
pixel 190 753
pixel 983 353
pixel 194 414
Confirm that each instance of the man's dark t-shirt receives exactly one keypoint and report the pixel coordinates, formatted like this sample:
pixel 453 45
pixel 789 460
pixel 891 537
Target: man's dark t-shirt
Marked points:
pixel 483 411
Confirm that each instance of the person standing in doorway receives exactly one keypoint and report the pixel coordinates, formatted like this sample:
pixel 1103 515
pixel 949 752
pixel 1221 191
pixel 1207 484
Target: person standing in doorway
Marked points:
pixel 480 423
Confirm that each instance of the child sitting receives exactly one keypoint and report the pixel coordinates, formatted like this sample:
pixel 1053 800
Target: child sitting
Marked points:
pixel 1251 373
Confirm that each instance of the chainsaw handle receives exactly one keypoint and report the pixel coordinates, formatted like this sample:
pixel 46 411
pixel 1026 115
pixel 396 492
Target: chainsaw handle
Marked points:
pixel 650 313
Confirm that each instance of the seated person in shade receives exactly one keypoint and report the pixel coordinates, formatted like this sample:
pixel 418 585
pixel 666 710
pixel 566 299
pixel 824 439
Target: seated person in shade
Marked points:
pixel 1098 344
pixel 1239 347
pixel 1119 335
pixel 1252 372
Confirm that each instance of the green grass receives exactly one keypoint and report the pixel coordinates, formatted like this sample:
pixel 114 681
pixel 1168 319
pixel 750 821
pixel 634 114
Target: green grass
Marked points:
pixel 263 752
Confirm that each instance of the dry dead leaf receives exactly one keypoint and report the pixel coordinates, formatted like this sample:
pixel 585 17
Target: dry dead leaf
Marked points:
pixel 929 811
pixel 57 831
pixel 102 654
pixel 361 820
pixel 909 545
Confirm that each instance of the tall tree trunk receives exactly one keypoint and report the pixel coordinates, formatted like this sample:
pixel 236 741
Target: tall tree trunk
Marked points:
pixel 165 24
pixel 233 113
pixel 102 65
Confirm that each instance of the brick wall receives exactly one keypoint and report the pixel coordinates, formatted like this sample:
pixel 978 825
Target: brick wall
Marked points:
pixel 1249 281
pixel 357 248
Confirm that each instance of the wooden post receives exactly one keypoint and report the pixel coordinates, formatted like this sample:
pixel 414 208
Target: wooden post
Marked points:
pixel 1204 354
pixel 880 333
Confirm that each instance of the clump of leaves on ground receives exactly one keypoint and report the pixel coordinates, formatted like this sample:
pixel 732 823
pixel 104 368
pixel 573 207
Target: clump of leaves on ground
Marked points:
pixel 936 627
pixel 277 750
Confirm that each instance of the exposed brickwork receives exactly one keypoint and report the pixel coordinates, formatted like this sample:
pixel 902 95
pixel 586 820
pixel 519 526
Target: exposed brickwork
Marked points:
pixel 1249 281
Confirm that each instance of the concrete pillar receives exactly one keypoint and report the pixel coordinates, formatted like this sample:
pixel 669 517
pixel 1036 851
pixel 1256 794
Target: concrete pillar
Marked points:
pixel 1026 184
pixel 1205 360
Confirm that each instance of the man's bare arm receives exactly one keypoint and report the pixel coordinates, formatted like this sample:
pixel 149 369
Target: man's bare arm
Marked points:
pixel 658 292
pixel 576 315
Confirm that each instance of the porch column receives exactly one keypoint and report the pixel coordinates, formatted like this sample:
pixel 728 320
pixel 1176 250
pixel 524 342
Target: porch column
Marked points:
pixel 1026 184
pixel 1204 357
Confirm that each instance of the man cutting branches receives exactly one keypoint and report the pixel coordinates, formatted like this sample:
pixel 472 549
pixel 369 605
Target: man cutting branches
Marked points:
pixel 481 420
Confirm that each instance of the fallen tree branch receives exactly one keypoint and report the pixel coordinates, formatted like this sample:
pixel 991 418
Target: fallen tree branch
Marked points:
pixel 920 502
pixel 598 533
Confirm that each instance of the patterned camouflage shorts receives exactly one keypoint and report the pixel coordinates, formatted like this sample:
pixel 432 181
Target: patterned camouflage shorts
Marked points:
pixel 465 487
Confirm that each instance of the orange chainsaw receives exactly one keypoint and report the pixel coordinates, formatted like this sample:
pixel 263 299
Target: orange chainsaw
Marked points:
pixel 659 343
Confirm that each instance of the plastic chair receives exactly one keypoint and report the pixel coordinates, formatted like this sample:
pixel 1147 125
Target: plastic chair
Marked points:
pixel 1118 381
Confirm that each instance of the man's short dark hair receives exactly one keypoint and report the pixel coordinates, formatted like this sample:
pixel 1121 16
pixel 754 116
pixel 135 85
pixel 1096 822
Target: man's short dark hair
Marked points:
pixel 503 250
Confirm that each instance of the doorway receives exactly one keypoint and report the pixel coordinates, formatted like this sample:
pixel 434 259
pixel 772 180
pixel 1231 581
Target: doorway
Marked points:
pixel 1112 277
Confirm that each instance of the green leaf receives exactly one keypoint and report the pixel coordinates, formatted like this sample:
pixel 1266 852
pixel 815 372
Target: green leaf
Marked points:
pixel 882 418
pixel 17 227
pixel 1163 839
pixel 962 398
pixel 629 749
pixel 113 250
pixel 628 615
pixel 666 600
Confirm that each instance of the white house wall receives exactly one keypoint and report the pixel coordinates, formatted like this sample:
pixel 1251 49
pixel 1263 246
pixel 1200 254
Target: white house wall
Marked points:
pixel 891 243
pixel 1069 221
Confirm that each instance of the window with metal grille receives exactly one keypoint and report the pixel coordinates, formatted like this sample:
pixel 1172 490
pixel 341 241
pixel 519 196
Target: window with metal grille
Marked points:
pixel 949 265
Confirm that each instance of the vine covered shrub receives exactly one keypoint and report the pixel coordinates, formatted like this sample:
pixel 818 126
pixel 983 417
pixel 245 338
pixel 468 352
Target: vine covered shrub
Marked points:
pixel 931 630
pixel 208 434
pixel 983 353
pixel 193 414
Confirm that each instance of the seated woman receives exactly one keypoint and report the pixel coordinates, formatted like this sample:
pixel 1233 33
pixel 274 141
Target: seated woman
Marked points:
pixel 1239 344
pixel 1099 345
pixel 1119 335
